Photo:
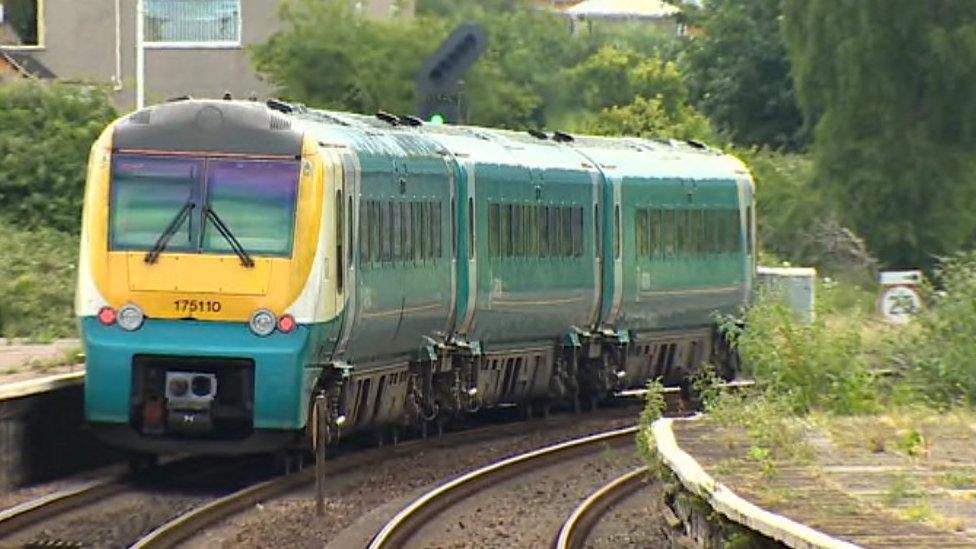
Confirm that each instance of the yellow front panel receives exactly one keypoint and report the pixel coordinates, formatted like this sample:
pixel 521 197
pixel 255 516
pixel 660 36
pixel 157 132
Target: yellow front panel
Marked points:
pixel 204 286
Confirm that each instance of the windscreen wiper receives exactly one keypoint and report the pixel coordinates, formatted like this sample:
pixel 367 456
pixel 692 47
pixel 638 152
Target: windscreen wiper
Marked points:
pixel 229 237
pixel 153 254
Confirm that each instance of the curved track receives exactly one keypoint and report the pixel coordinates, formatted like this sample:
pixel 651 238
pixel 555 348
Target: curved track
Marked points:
pixel 580 523
pixel 401 528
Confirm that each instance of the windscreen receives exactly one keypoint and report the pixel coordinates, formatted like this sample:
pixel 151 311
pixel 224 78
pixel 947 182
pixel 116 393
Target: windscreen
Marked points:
pixel 255 200
pixel 147 195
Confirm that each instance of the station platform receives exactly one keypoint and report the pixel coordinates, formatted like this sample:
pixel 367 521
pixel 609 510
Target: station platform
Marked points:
pixel 877 481
pixel 30 368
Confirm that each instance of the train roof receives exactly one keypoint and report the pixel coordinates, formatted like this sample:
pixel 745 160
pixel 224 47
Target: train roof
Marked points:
pixel 275 125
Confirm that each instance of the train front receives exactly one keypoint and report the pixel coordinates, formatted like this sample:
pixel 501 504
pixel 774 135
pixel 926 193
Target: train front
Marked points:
pixel 201 279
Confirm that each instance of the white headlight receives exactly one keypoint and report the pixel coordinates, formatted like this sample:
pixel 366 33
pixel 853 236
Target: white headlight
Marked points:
pixel 129 317
pixel 263 322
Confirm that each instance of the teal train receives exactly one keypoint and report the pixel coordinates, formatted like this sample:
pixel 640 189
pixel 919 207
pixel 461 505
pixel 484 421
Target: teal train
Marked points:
pixel 253 272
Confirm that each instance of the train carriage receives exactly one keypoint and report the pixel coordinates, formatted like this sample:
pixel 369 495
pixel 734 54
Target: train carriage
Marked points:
pixel 239 258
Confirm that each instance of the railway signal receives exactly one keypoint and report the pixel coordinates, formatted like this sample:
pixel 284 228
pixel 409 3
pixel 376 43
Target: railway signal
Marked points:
pixel 438 80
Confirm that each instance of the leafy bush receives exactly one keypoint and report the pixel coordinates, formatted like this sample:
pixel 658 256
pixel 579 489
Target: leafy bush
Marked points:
pixel 46 131
pixel 809 366
pixel 37 278
pixel 937 352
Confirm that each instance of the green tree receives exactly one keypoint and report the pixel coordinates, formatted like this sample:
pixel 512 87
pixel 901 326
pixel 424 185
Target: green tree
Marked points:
pixel 46 131
pixel 739 73
pixel 887 88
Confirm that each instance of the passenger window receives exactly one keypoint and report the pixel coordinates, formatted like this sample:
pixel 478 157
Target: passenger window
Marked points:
pixel 543 231
pixel 397 231
pixel 363 232
pixel 567 231
pixel 577 231
pixel 505 232
pixel 695 231
pixel 749 225
pixel 436 216
pixel 418 231
pixel 386 230
pixel 374 231
pixel 532 231
pixel 640 232
pixel 655 230
pixel 406 231
pixel 668 231
pixel 681 224
pixel 597 231
pixel 339 241
pixel 518 244
pixel 493 230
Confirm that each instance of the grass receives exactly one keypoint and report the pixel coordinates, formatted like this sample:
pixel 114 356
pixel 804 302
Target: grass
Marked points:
pixel 37 283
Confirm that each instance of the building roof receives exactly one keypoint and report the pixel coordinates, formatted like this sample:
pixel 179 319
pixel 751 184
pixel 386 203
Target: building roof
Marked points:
pixel 25 64
pixel 623 9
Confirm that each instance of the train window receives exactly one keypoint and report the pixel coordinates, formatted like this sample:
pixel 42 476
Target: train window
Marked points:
pixel 505 234
pixel 708 235
pixel 435 214
pixel 532 231
pixel 667 233
pixel 395 232
pixel 681 232
pixel 640 232
pixel 518 244
pixel 568 231
pixel 695 231
pixel 406 230
pixel 471 249
pixel 493 229
pixel 386 209
pixel 616 230
pixel 735 230
pixel 578 231
pixel 453 228
pixel 363 232
pixel 556 228
pixel 418 231
pixel 424 222
pixel 655 232
pixel 543 231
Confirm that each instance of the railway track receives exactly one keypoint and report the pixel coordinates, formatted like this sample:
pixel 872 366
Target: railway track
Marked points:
pixel 399 530
pixel 575 531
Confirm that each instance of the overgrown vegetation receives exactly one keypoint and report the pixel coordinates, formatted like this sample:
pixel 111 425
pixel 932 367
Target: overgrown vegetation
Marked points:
pixel 37 277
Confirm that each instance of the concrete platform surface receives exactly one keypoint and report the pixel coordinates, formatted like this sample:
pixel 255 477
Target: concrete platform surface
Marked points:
pixel 21 361
pixel 896 480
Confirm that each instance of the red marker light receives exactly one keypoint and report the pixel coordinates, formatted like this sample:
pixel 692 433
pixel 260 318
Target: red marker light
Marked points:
pixel 286 323
pixel 106 315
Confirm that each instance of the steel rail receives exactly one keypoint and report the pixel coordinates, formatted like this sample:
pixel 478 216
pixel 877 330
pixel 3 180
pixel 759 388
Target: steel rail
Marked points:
pixel 577 528
pixel 398 531
pixel 31 512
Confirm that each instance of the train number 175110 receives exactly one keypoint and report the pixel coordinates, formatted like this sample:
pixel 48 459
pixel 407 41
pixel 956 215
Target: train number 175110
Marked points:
pixel 196 306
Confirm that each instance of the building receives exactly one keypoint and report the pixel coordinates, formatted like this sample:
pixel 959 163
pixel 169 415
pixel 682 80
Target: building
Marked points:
pixel 192 47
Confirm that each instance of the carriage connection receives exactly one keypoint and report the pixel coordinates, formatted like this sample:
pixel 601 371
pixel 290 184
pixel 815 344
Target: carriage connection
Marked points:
pixel 238 258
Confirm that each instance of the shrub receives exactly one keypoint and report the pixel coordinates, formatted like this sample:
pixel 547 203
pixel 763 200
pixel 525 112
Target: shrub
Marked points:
pixel 937 353
pixel 46 131
pixel 37 276
pixel 808 366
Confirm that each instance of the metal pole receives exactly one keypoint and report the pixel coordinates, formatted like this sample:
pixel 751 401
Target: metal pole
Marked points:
pixel 140 56
pixel 320 431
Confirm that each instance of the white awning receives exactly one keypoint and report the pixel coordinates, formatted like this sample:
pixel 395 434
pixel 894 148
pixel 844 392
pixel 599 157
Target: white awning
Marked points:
pixel 636 9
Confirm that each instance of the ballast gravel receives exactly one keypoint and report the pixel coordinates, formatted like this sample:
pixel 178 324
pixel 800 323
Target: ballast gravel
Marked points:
pixel 360 501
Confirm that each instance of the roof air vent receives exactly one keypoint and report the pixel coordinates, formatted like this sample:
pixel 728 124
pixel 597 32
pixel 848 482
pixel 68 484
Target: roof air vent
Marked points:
pixel 279 105
pixel 697 144
pixel 279 123
pixel 408 120
pixel 390 119
pixel 538 134
pixel 563 137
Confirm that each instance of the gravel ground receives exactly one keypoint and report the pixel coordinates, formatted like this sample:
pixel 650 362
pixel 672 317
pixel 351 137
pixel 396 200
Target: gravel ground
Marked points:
pixel 154 499
pixel 527 510
pixel 632 522
pixel 360 501
pixel 27 493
